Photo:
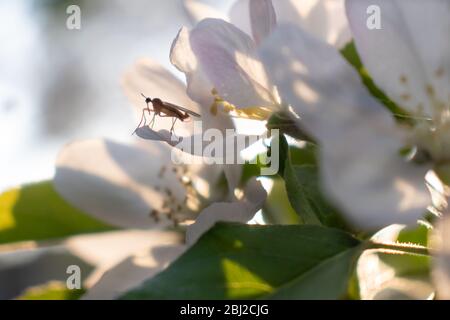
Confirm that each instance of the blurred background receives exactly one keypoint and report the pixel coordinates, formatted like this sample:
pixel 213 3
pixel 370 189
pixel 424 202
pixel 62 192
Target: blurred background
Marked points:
pixel 58 85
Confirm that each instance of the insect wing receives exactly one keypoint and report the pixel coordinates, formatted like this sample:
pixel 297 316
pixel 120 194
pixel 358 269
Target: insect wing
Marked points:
pixel 171 105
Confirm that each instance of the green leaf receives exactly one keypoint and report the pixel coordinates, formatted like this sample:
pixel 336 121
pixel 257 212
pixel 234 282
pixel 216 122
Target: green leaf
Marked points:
pixel 283 122
pixel 307 154
pixel 245 262
pixel 301 183
pixel 249 170
pixel 54 290
pixel 283 153
pixel 351 54
pixel 277 208
pixel 37 212
pixel 306 197
pixel 302 179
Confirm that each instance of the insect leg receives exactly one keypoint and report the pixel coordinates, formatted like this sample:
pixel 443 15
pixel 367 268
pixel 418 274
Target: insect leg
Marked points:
pixel 173 125
pixel 143 118
pixel 152 122
pixel 140 122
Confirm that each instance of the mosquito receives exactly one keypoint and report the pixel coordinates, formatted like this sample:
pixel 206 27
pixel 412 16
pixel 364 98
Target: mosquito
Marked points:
pixel 165 109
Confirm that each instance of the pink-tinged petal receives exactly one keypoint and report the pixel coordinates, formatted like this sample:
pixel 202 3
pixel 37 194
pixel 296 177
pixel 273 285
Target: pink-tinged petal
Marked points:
pixel 199 88
pixel 441 268
pixel 325 19
pixel 228 58
pixel 409 57
pixel 154 253
pixel 239 211
pixel 362 168
pixel 263 19
pixel 198 10
pixel 116 183
pixel 240 15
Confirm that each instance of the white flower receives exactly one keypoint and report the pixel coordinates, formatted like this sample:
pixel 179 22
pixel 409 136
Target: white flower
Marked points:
pixel 323 18
pixel 228 55
pixel 409 58
pixel 136 185
pixel 224 59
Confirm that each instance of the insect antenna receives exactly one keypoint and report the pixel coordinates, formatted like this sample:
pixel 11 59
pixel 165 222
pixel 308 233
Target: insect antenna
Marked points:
pixel 145 97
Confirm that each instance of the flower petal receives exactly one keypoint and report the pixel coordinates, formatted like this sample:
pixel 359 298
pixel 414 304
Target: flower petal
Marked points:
pixel 370 181
pixel 361 164
pixel 198 10
pixel 263 19
pixel 441 270
pixel 325 19
pixel 306 70
pixel 240 15
pixel 409 57
pixel 158 251
pixel 240 211
pixel 116 183
pixel 148 133
pixel 192 151
pixel 199 88
pixel 228 58
pixel 104 250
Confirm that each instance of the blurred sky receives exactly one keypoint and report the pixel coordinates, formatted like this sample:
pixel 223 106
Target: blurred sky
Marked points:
pixel 59 85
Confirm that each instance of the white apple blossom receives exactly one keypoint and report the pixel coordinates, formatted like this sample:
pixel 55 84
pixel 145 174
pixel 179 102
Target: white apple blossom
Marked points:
pixel 228 54
pixel 137 185
pixel 361 162
pixel 225 59
pixel 323 18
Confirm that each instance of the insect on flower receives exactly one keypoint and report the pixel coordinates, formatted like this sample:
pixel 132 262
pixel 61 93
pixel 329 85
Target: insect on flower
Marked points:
pixel 165 109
